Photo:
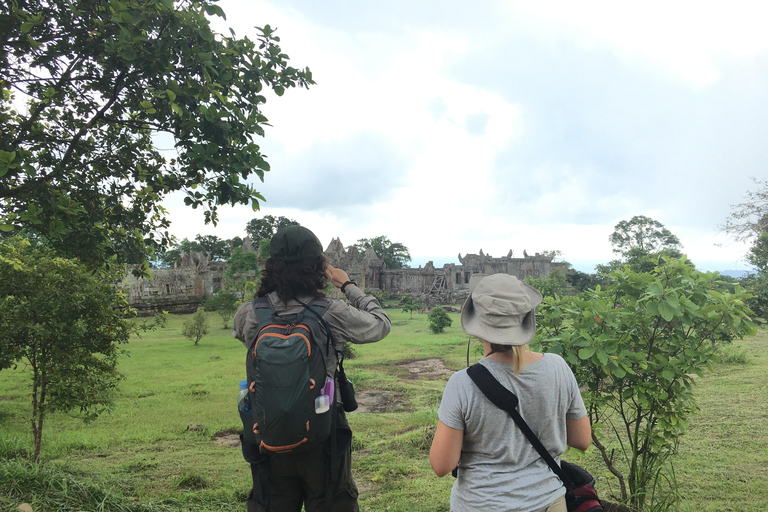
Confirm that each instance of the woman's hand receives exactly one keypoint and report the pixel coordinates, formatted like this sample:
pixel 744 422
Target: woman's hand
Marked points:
pixel 336 275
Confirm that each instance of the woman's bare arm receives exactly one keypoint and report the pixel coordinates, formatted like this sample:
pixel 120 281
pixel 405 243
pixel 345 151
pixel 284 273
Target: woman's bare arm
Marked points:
pixel 579 433
pixel 446 449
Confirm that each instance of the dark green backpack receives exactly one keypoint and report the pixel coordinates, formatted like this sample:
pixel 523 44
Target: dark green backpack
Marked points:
pixel 286 370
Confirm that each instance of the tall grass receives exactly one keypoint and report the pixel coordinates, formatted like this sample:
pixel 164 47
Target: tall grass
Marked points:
pixel 144 456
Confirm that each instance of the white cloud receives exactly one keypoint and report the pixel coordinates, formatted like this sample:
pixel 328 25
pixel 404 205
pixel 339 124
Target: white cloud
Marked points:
pixel 510 125
pixel 686 40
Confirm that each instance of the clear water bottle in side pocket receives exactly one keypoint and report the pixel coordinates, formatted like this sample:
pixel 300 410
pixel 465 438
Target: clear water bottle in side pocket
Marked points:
pixel 243 400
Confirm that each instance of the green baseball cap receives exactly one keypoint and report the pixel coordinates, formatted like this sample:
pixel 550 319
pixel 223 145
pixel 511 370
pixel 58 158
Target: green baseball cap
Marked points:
pixel 294 243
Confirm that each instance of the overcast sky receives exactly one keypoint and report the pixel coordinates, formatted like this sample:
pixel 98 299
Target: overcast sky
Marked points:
pixel 458 126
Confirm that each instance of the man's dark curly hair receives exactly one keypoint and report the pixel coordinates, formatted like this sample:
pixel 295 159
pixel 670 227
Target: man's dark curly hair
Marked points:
pixel 291 280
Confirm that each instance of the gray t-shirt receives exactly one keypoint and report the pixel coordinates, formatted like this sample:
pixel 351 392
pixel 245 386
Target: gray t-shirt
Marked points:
pixel 499 469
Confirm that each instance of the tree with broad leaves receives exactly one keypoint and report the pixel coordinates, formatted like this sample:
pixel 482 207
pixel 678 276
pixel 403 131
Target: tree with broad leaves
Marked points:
pixel 86 89
pixel 173 257
pixel 64 324
pixel 636 347
pixel 642 233
pixel 214 247
pixel 395 254
pixel 264 227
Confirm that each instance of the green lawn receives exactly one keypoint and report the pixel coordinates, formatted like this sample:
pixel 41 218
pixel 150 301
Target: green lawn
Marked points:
pixel 146 457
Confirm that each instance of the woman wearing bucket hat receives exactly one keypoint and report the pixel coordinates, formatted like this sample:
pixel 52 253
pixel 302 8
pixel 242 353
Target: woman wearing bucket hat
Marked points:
pixel 498 468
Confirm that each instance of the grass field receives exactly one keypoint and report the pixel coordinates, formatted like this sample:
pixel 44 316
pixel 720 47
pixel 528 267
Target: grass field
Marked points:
pixel 145 457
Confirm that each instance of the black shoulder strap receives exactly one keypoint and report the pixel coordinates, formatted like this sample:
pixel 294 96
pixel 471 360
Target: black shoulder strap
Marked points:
pixel 318 307
pixel 263 309
pixel 506 400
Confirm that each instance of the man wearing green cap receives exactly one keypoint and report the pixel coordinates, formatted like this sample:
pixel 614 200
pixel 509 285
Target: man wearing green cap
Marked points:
pixel 294 275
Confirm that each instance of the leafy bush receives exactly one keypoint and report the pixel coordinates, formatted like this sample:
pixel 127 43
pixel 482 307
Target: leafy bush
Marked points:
pixel 438 320
pixel 635 348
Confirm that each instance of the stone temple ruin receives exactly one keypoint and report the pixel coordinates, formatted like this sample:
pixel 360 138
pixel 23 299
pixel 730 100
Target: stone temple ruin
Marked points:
pixel 183 289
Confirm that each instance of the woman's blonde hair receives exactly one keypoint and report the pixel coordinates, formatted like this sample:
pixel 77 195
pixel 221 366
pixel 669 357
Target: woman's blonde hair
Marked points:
pixel 517 353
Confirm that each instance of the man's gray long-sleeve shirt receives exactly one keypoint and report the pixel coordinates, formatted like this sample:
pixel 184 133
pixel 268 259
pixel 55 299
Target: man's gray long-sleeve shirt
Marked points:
pixel 363 320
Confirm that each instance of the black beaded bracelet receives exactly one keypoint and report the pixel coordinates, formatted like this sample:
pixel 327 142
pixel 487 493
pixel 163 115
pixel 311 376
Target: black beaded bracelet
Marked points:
pixel 345 285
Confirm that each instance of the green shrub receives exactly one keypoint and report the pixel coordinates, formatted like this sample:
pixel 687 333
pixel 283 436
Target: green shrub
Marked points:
pixel 439 320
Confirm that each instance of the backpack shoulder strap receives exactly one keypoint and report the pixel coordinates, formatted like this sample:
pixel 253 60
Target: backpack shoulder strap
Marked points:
pixel 507 401
pixel 318 307
pixel 263 309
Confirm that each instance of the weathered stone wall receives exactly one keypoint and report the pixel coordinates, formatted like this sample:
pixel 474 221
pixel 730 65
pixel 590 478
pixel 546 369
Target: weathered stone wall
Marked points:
pixel 183 289
pixel 177 290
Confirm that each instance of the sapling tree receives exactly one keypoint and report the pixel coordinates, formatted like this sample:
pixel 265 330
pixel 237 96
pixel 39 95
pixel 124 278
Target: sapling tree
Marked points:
pixel 636 349
pixel 196 326
pixel 409 303
pixel 65 325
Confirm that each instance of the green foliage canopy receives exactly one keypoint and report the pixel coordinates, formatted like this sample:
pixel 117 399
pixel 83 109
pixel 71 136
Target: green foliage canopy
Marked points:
pixel 635 348
pixel 63 323
pixel 86 89
pixel 395 254
pixel 264 227
pixel 438 320
pixel 642 233
pixel 214 247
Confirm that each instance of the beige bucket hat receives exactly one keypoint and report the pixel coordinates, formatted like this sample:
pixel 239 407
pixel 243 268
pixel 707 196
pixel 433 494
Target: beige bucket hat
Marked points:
pixel 500 309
